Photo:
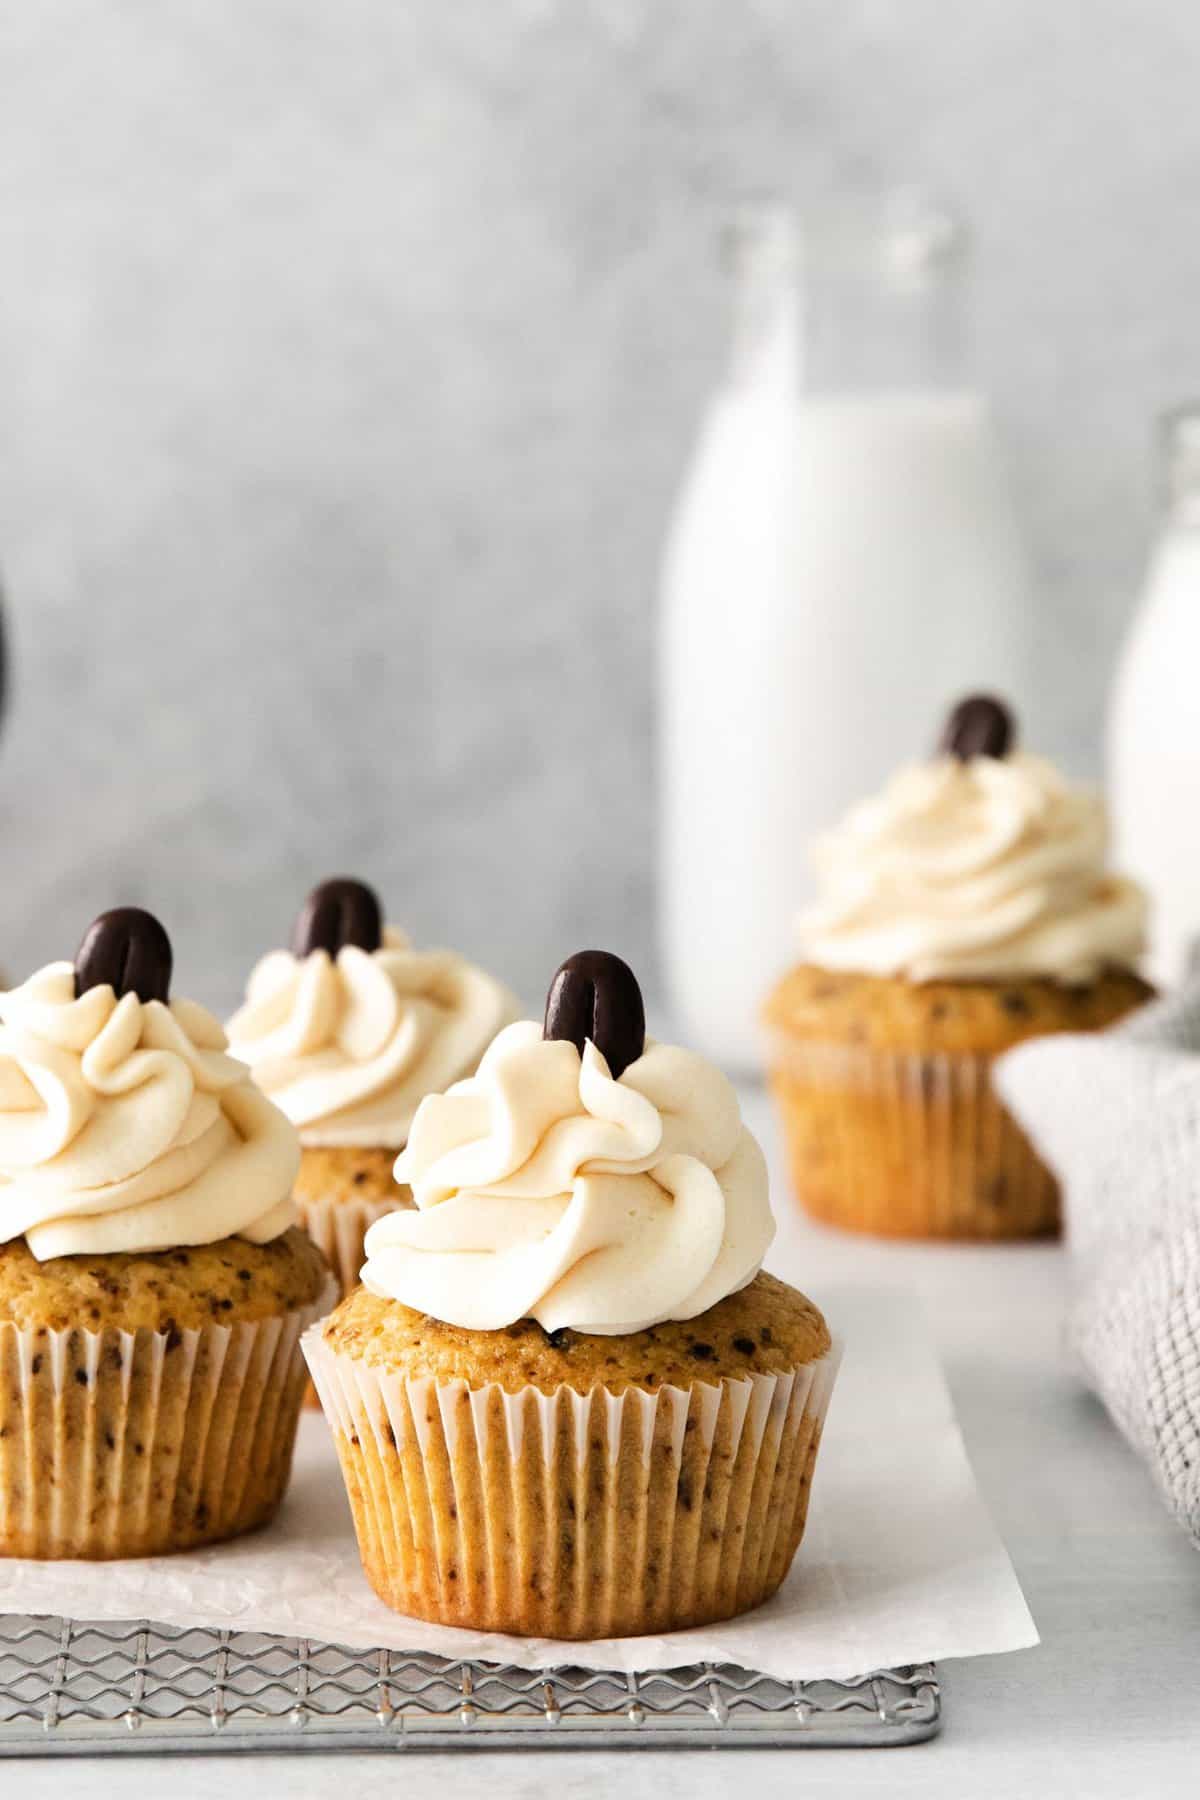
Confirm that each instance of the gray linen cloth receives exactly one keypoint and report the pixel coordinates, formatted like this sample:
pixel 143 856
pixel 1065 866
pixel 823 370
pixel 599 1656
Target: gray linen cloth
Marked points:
pixel 1116 1115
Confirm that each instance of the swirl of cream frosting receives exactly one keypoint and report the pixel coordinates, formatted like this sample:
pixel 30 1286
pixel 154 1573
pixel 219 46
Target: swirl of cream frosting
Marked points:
pixel 348 1047
pixel 124 1126
pixel 544 1189
pixel 988 869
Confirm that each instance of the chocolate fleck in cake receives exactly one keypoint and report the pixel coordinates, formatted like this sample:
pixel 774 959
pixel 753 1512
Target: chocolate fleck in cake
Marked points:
pixel 347 1031
pixel 566 1399
pixel 153 1286
pixel 964 910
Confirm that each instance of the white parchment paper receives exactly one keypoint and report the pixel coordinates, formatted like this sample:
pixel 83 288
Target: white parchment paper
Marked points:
pixel 900 1563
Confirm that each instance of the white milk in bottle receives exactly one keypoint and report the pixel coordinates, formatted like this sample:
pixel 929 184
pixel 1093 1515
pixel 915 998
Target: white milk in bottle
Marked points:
pixel 843 563
pixel 1154 724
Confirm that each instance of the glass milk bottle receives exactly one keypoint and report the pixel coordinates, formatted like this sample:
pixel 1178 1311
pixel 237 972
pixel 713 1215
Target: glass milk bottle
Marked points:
pixel 843 563
pixel 1154 727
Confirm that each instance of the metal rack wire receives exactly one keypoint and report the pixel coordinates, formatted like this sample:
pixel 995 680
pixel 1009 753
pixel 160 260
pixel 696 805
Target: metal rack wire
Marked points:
pixel 71 1687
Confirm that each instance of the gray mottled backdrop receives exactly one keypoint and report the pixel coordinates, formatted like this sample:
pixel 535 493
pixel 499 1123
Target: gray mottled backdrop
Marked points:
pixel 348 357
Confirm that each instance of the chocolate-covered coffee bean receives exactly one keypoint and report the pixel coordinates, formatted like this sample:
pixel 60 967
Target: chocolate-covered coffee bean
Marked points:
pixel 338 912
pixel 595 995
pixel 127 950
pixel 980 725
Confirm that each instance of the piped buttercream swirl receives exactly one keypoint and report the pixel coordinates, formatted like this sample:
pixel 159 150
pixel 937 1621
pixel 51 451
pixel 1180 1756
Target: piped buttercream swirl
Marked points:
pixel 544 1189
pixel 987 869
pixel 124 1126
pixel 348 1046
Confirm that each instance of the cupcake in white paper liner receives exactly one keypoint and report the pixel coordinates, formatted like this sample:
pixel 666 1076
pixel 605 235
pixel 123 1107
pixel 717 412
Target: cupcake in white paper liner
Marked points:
pixel 966 908
pixel 568 1514
pixel 566 1400
pixel 347 1032
pixel 153 1285
pixel 133 1443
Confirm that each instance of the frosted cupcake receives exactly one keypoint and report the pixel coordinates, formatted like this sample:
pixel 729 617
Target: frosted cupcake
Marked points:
pixel 347 1032
pixel 965 909
pixel 153 1287
pixel 566 1401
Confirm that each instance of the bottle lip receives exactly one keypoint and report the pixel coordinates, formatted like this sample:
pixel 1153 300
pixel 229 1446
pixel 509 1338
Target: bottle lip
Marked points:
pixel 1178 422
pixel 761 252
pixel 860 288
pixel 906 234
pixel 1178 434
pixel 764 232
pixel 921 236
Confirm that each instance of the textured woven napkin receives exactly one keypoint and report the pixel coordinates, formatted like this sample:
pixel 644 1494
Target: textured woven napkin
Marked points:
pixel 1117 1116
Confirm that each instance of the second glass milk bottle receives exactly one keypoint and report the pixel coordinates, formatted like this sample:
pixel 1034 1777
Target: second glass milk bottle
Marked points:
pixel 1153 730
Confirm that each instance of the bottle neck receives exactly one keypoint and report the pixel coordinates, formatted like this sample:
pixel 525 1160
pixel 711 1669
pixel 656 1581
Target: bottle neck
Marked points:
pixel 762 250
pixel 881 304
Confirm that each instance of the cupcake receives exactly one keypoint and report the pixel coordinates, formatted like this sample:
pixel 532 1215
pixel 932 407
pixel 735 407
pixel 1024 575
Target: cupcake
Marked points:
pixel 566 1400
pixel 965 909
pixel 347 1032
pixel 153 1283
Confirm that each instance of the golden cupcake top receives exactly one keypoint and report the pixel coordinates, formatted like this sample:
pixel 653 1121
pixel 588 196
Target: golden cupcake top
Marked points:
pixel 585 1177
pixel 230 1282
pixel 766 1328
pixel 347 1172
pixel 350 1028
pixel 124 1126
pixel 889 1014
pixel 982 864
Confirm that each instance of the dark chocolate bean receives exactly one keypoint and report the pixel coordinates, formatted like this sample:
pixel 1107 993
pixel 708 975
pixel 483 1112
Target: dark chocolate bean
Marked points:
pixel 595 995
pixel 980 725
pixel 128 950
pixel 337 913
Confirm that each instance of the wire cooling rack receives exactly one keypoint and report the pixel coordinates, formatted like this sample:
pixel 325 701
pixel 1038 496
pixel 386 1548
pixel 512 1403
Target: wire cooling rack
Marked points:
pixel 74 1688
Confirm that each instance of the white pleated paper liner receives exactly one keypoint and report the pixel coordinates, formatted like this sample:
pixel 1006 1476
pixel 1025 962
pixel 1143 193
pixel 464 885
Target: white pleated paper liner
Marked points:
pixel 572 1515
pixel 338 1226
pixel 131 1443
pixel 904 1143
